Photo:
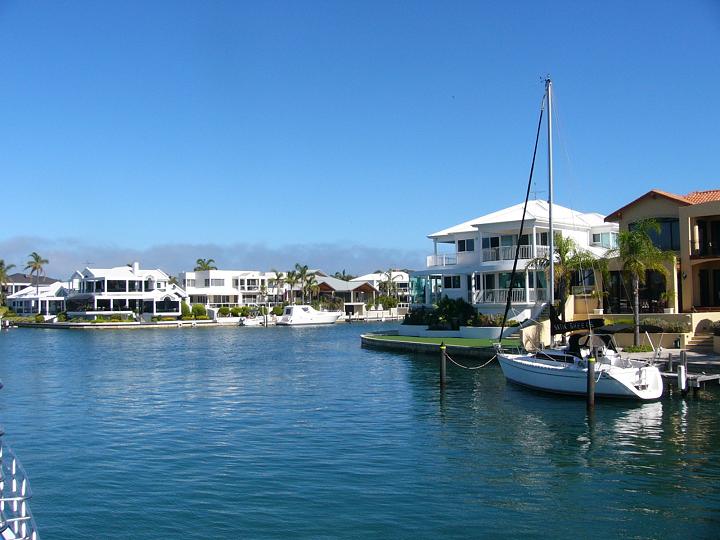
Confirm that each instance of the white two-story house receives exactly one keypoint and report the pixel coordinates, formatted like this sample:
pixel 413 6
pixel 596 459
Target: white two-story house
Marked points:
pixel 474 260
pixel 218 288
pixel 126 290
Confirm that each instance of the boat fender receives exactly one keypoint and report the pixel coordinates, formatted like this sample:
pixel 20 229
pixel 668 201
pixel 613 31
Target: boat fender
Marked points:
pixel 179 325
pixel 194 324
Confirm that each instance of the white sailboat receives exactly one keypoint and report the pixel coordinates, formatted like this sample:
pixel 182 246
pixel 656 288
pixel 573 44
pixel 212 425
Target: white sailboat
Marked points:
pixel 564 369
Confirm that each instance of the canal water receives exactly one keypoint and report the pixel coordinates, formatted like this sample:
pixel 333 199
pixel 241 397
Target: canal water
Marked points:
pixel 231 433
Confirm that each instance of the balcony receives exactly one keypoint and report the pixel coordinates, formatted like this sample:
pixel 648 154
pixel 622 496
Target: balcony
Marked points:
pixel 500 296
pixel 507 253
pixel 441 260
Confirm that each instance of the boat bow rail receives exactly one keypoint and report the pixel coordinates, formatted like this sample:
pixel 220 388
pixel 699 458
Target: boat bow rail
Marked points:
pixel 16 520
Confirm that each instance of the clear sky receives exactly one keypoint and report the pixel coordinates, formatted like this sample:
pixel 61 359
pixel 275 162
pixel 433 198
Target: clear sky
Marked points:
pixel 337 134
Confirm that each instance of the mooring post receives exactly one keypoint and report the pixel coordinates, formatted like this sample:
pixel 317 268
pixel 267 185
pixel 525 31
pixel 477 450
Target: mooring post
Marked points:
pixel 442 364
pixel 682 373
pixel 669 367
pixel 591 380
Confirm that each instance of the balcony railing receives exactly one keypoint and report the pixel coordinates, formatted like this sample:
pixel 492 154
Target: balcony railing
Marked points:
pixel 500 296
pixel 441 260
pixel 507 253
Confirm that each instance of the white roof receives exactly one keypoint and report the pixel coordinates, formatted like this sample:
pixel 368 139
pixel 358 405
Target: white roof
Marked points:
pixel 59 289
pixel 124 273
pixel 537 210
pixel 382 276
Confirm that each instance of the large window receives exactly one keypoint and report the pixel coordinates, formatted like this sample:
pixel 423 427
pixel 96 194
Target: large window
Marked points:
pixel 541 238
pixel 491 242
pixel 669 236
pixel 189 282
pixel 116 285
pixel 466 245
pixel 217 282
pixel 606 239
pixel 451 282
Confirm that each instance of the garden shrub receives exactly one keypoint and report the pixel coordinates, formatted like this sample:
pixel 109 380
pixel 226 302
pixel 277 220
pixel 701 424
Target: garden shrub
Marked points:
pixel 224 311
pixel 235 312
pixel 278 310
pixel 638 348
pixel 244 311
pixel 198 311
pixel 62 317
pixel 39 318
pixel 185 309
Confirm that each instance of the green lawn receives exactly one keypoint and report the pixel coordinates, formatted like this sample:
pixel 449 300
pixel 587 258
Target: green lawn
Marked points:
pixel 463 342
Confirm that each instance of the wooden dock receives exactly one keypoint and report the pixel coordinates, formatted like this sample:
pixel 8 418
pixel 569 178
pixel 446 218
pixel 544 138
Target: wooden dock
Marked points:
pixel 684 380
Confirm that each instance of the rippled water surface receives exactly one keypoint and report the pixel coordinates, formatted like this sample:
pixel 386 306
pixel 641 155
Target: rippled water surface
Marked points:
pixel 300 433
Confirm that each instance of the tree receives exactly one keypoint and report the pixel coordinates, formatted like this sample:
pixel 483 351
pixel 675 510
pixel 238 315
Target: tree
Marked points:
pixel 388 285
pixel 36 266
pixel 637 255
pixel 4 269
pixel 343 276
pixel 205 264
pixel 173 280
pixel 302 274
pixel 279 281
pixel 291 278
pixel 569 259
pixel 311 286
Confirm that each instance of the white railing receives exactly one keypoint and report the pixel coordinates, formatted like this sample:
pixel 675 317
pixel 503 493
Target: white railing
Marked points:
pixel 507 253
pixel 441 260
pixel 500 296
pixel 542 251
pixel 15 515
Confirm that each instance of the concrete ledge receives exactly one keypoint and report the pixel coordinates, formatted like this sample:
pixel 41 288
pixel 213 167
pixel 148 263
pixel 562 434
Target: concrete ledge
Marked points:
pixel 118 325
pixel 373 342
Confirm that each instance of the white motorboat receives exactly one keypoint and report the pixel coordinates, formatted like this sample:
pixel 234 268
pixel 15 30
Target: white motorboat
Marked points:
pixel 563 370
pixel 302 315
pixel 259 320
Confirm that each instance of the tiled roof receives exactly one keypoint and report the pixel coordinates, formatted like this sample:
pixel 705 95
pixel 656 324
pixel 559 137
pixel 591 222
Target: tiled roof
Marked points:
pixel 27 278
pixel 699 197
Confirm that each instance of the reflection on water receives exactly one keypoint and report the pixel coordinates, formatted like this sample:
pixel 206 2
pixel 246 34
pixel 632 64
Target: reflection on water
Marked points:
pixel 276 433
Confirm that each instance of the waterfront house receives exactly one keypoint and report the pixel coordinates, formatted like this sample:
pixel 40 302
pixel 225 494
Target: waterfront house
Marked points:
pixel 690 227
pixel 473 260
pixel 124 290
pixel 400 284
pixel 17 282
pixel 47 299
pixel 230 288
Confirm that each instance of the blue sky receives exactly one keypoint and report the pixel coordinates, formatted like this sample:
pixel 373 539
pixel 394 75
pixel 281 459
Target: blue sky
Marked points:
pixel 337 134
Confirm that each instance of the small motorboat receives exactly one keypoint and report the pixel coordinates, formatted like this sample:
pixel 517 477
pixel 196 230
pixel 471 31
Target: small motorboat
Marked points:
pixel 302 315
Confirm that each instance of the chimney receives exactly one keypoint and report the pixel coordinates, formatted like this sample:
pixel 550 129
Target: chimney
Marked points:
pixel 136 267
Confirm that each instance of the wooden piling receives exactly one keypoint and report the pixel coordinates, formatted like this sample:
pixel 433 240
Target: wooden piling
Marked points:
pixel 669 367
pixel 591 380
pixel 443 366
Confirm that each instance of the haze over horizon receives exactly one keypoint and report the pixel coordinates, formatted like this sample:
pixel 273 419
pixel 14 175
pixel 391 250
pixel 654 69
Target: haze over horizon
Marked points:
pixel 336 135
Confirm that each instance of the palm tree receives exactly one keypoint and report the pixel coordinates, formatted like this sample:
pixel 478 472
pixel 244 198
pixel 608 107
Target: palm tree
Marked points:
pixel 569 259
pixel 291 278
pixel 343 276
pixel 311 286
pixel 388 285
pixel 638 254
pixel 36 266
pixel 302 274
pixel 278 283
pixel 4 269
pixel 205 264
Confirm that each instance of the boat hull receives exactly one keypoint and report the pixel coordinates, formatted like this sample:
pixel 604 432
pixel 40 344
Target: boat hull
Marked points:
pixel 306 316
pixel 643 383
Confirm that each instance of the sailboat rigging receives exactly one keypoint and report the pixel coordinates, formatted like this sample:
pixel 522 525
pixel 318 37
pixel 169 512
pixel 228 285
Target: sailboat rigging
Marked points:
pixel 564 369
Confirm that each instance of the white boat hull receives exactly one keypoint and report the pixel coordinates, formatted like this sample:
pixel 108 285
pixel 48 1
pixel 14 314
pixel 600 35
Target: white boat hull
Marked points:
pixel 306 315
pixel 637 382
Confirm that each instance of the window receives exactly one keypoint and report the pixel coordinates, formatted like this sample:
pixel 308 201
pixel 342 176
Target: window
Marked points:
pixel 508 239
pixel 541 238
pixel 217 282
pixel 606 239
pixel 491 242
pixel 189 282
pixel 451 282
pixel 669 236
pixel 466 245
pixel 235 282
pixel 207 282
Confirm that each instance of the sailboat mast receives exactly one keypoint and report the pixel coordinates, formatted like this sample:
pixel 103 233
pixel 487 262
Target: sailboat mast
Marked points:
pixel 551 235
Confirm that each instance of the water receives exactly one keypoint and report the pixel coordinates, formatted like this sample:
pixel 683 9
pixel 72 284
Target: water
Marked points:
pixel 300 433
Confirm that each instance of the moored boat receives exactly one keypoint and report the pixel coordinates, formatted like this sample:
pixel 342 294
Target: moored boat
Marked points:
pixel 303 315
